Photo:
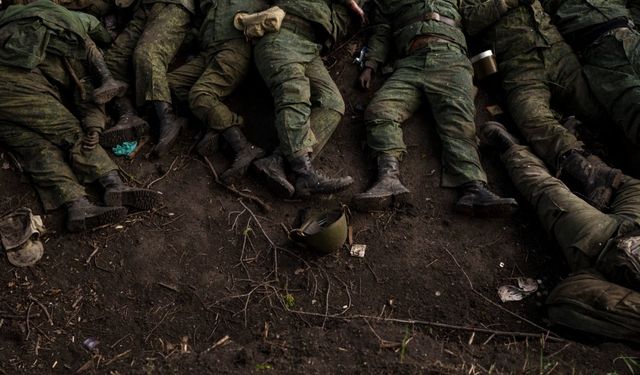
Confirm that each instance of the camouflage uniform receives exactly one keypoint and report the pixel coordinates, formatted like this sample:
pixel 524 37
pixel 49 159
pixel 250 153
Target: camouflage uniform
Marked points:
pixel 537 67
pixel 150 42
pixel 609 51
pixel 634 11
pixel 34 124
pixel 97 8
pixel 308 104
pixel 439 72
pixel 220 68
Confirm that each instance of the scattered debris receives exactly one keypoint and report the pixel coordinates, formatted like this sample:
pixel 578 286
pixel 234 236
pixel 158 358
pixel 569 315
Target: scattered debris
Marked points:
pixel 510 293
pixel 125 148
pixel 20 233
pixel 358 250
pixel 90 343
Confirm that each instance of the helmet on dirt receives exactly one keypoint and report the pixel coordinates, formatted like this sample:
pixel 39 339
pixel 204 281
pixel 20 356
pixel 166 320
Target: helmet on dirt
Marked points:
pixel 323 233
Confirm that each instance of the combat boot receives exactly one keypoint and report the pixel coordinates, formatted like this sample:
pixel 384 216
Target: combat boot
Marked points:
pixel 170 126
pixel 309 181
pixel 597 181
pixel 245 153
pixel 116 193
pixel 83 215
pixel 111 87
pixel 272 170
pixel 128 128
pixel 387 190
pixel 477 200
pixel 497 136
pixel 209 143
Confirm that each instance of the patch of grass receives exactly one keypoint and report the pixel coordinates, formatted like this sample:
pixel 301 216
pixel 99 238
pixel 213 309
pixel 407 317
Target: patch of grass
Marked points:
pixel 263 366
pixel 632 364
pixel 289 300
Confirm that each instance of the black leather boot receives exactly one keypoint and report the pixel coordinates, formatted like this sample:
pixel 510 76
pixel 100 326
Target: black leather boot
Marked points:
pixel 596 180
pixel 477 200
pixel 110 87
pixel 129 127
pixel 84 215
pixel 116 193
pixel 170 126
pixel 309 181
pixel 272 170
pixel 497 136
pixel 387 190
pixel 245 153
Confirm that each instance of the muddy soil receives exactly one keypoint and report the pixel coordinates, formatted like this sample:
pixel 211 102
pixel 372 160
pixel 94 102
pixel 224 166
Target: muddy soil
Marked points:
pixel 209 283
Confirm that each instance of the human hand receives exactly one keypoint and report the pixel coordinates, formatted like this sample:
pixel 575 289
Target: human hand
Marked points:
pixel 355 8
pixel 366 77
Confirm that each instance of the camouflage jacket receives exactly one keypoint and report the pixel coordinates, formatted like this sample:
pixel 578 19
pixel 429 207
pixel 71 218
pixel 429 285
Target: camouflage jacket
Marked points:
pixel 189 5
pixel 218 20
pixel 397 22
pixel 29 32
pixel 571 16
pixel 509 32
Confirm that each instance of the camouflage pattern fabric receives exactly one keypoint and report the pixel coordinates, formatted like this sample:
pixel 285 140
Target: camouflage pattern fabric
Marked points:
pixel 149 44
pixel 97 8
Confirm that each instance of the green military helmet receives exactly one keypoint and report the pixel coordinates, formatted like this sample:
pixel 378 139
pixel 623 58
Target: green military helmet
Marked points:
pixel 324 233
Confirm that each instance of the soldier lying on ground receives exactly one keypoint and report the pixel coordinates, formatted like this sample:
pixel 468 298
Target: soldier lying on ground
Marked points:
pixel 148 45
pixel 537 66
pixel 603 298
pixel 432 64
pixel 43 59
pixel 308 104
pixel 602 34
pixel 213 75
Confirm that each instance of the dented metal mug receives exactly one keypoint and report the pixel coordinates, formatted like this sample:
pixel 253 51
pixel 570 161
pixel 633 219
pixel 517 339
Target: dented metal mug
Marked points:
pixel 484 64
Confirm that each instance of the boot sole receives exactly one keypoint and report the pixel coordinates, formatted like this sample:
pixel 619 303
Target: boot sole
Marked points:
pixel 602 198
pixel 233 176
pixel 116 215
pixel 104 97
pixel 138 199
pixel 368 204
pixel 494 210
pixel 276 187
pixel 306 192
pixel 110 139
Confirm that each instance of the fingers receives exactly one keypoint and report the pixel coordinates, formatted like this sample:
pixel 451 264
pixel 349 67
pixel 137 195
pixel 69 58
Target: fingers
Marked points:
pixel 358 11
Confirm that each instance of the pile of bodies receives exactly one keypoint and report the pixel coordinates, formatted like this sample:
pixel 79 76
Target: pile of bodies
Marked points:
pixel 580 55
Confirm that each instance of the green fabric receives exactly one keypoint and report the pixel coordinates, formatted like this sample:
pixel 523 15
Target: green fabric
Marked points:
pixel 46 137
pixel 581 230
pixel 298 80
pixel 97 8
pixel 393 26
pixel 182 79
pixel 442 75
pixel 189 5
pixel 571 16
pixel 517 31
pixel 588 303
pixel 27 32
pixel 148 45
pixel 332 15
pixel 634 11
pixel 218 21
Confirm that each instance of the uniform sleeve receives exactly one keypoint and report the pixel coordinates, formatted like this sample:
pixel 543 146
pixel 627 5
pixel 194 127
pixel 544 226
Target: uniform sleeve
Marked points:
pixel 380 41
pixel 480 14
pixel 94 29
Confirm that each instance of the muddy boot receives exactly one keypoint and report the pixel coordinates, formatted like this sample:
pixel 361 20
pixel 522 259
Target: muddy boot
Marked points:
pixel 497 136
pixel 208 144
pixel 387 190
pixel 111 87
pixel 597 181
pixel 83 215
pixel 244 151
pixel 129 127
pixel 309 181
pixel 170 126
pixel 116 193
pixel 477 200
pixel 272 170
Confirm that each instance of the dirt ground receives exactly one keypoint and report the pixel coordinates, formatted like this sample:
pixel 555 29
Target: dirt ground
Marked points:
pixel 209 283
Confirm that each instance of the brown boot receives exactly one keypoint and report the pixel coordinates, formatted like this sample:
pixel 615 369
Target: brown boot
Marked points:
pixel 116 193
pixel 596 180
pixel 272 170
pixel 244 151
pixel 309 181
pixel 387 190
pixel 83 215
pixel 111 87
pixel 129 127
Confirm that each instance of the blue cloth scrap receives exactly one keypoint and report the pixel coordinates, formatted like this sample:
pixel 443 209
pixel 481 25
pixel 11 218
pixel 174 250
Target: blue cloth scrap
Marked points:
pixel 125 148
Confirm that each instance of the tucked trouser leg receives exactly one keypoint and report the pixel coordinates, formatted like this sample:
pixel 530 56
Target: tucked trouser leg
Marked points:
pixel 227 67
pixel 182 79
pixel 118 56
pixel 529 100
pixel 164 32
pixel 581 230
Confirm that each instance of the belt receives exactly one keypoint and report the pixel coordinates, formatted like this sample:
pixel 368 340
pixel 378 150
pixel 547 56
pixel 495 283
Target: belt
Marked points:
pixel 433 16
pixel 300 26
pixel 422 41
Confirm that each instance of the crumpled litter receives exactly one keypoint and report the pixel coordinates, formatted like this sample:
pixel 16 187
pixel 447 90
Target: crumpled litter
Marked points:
pixel 510 293
pixel 125 148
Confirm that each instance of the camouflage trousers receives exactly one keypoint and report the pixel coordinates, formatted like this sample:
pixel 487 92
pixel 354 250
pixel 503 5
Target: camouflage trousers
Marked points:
pixel 148 45
pixel 308 104
pixel 46 138
pixel 581 230
pixel 612 68
pixel 538 79
pixel 442 74
pixel 209 78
